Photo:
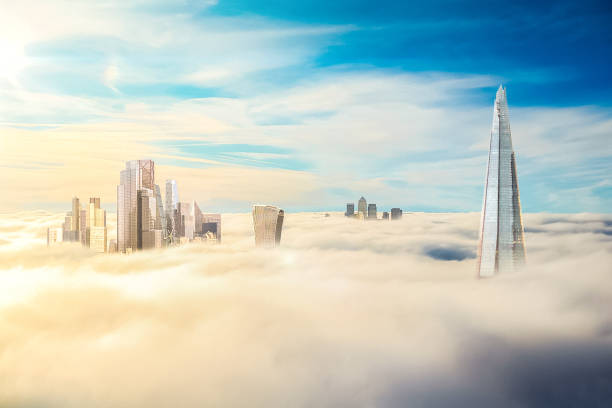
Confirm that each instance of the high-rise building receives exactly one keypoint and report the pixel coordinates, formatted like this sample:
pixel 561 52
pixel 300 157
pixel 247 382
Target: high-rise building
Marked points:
pixel 96 226
pixel 362 207
pixel 268 225
pixel 76 212
pixel 148 236
pixel 501 247
pixel 211 224
pixel 396 213
pixel 186 220
pixel 54 235
pixel 372 212
pixel 350 210
pixel 385 215
pixel 83 228
pixel 68 235
pixel 171 209
pixel 138 175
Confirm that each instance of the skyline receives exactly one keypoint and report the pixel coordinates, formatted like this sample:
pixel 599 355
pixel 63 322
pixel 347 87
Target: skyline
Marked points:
pixel 292 89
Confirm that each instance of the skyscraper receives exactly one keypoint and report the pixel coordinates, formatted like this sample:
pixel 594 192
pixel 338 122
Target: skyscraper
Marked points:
pixel 138 175
pixel 350 210
pixel 146 221
pixel 396 213
pixel 171 209
pixel 385 215
pixel 362 208
pixel 75 221
pixel 268 225
pixel 372 211
pixel 96 226
pixel 501 247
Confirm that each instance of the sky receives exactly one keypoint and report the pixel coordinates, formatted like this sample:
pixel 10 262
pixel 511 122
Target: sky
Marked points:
pixel 343 313
pixel 306 105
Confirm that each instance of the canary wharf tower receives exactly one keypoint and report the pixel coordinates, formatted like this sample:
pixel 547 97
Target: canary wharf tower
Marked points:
pixel 501 248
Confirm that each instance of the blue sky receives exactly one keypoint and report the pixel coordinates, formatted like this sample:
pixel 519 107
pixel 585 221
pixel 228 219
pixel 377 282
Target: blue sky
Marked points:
pixel 307 104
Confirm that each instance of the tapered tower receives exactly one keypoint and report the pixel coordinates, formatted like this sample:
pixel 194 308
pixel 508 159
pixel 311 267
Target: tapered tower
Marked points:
pixel 501 248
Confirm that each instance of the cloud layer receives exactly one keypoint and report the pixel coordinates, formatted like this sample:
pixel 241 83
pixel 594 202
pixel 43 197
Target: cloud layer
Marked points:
pixel 345 313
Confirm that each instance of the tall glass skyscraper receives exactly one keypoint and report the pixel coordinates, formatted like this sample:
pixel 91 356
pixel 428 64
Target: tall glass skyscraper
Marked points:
pixel 138 175
pixel 501 247
pixel 362 207
pixel 268 225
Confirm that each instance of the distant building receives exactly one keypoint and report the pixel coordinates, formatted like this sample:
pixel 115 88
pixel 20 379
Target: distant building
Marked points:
pixel 138 175
pixel 148 236
pixel 268 225
pixel 350 210
pixel 372 215
pixel 112 245
pixel 385 215
pixel 171 209
pixel 68 235
pixel 396 213
pixel 211 224
pixel 83 228
pixel 186 220
pixel 75 224
pixel 362 207
pixel 96 226
pixel 501 246
pixel 54 235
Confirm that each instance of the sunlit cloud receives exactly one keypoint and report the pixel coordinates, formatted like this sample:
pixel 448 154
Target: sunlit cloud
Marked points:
pixel 364 312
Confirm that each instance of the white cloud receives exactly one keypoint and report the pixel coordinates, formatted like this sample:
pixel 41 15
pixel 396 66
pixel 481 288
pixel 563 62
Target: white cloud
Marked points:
pixel 345 312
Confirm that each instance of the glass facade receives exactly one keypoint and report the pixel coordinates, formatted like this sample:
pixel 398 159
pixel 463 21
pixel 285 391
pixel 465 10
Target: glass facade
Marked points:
pixel 138 175
pixel 501 246
pixel 268 225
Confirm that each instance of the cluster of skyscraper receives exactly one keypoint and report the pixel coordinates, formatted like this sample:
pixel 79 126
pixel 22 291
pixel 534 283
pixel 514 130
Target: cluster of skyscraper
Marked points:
pixel 87 226
pixel 144 221
pixel 367 211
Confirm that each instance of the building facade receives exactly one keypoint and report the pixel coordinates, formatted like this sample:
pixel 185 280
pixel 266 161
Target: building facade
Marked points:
pixel 268 225
pixel 372 213
pixel 396 213
pixel 350 210
pixel 362 207
pixel 138 175
pixel 501 246
pixel 211 224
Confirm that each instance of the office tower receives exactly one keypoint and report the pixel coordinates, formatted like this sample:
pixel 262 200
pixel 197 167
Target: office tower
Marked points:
pixel 350 210
pixel 362 207
pixel 197 218
pixel 138 174
pixel 268 225
pixel 385 215
pixel 396 213
pixel 83 228
pixel 186 220
pixel 96 226
pixel 76 212
pixel 54 235
pixel 68 235
pixel 211 223
pixel 171 195
pixel 148 235
pixel 160 215
pixel 501 247
pixel 171 212
pixel 372 211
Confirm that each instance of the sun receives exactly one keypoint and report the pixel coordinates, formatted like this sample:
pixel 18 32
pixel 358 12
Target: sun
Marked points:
pixel 12 60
